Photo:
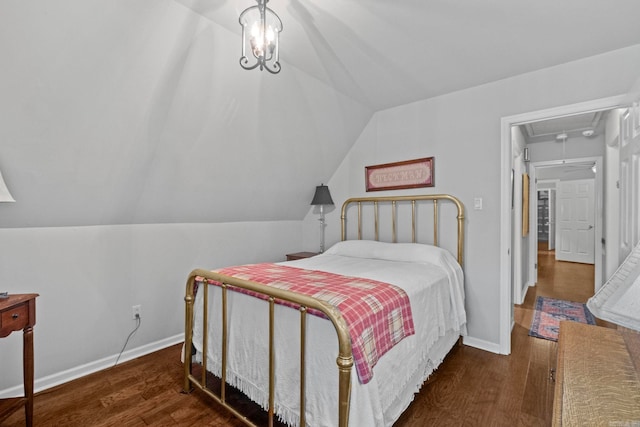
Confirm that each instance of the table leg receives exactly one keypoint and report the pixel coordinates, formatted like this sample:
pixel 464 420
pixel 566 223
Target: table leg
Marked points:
pixel 28 373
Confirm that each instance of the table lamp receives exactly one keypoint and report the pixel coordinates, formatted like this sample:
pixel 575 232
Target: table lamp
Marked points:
pixel 321 198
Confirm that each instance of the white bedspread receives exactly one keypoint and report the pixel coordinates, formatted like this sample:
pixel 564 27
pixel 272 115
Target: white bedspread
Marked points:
pixel 435 289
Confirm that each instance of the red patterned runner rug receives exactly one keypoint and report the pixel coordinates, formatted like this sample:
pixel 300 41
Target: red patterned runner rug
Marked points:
pixel 550 312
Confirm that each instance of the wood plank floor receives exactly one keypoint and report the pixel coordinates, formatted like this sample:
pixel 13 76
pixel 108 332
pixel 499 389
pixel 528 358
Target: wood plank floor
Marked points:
pixel 471 388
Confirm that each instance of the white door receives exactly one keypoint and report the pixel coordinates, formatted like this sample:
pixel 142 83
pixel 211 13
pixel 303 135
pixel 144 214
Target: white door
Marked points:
pixel 629 179
pixel 575 221
pixel 551 225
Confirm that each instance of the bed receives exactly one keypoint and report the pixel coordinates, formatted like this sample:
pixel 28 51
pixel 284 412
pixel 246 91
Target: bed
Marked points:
pixel 292 353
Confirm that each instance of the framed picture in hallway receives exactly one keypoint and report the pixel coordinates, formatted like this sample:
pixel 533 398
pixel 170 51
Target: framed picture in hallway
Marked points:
pixel 525 204
pixel 400 175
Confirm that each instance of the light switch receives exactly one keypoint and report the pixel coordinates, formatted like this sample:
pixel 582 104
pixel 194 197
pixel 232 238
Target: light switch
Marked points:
pixel 477 203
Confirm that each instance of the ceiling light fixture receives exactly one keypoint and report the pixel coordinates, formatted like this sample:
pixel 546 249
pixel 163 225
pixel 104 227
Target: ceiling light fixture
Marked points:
pixel 261 29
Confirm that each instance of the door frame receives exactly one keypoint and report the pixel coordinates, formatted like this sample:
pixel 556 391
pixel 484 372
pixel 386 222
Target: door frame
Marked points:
pixel 552 219
pixel 506 162
pixel 598 188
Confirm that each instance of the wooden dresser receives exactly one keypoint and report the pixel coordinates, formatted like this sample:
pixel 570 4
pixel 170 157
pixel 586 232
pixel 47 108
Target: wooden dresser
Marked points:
pixel 598 377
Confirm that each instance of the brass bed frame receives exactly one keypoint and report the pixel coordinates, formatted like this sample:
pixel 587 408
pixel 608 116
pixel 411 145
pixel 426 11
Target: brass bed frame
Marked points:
pixel 344 359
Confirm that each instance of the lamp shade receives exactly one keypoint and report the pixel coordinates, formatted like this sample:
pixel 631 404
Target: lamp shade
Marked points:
pixel 5 196
pixel 322 196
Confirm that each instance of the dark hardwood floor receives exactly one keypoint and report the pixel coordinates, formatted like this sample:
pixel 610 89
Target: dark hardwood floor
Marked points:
pixel 471 388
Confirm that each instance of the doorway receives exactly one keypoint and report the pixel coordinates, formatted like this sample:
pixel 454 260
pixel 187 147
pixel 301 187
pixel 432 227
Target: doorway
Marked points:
pixel 576 221
pixel 546 208
pixel 573 194
pixel 506 239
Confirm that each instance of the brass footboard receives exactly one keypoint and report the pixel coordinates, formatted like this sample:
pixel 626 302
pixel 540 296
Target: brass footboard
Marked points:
pixel 344 360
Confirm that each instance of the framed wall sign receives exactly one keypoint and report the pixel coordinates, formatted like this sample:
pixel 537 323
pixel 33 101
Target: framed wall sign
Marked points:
pixel 399 175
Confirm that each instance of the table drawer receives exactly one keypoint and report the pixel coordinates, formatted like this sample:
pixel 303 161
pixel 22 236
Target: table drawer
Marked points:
pixel 15 318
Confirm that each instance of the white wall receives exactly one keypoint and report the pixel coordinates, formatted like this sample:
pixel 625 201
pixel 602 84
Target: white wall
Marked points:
pixel 520 243
pixel 462 130
pixel 89 277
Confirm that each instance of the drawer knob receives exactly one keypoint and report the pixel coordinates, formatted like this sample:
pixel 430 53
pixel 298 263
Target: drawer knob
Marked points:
pixel 14 316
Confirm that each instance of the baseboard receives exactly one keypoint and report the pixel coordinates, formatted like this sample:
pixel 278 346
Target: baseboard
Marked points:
pixel 523 294
pixel 481 344
pixel 53 380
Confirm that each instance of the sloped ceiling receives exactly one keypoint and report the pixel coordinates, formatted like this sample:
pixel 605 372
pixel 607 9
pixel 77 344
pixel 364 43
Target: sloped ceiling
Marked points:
pixel 119 112
pixel 385 53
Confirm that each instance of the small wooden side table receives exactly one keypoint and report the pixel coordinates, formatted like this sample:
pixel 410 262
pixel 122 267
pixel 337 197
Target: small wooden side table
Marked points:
pixel 18 312
pixel 300 255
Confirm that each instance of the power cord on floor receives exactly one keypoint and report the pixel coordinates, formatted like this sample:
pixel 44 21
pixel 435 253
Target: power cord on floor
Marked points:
pixel 139 320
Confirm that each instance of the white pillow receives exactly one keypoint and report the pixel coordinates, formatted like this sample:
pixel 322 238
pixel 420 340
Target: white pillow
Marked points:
pixel 407 252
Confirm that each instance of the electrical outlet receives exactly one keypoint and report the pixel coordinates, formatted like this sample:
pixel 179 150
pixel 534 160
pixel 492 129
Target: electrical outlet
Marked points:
pixel 136 311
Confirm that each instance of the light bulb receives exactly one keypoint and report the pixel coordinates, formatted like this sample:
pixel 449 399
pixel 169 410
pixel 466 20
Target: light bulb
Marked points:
pixel 270 35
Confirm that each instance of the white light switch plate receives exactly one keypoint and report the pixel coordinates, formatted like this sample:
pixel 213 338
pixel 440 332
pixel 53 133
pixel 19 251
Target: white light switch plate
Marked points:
pixel 477 203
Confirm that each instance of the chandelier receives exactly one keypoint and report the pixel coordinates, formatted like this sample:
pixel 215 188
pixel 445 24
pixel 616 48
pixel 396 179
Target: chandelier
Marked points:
pixel 261 29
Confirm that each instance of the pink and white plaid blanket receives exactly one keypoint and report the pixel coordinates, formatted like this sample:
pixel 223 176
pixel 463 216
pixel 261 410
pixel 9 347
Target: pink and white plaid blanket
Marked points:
pixel 377 314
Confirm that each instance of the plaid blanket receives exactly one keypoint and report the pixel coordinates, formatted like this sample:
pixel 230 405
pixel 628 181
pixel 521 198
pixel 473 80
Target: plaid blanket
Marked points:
pixel 377 314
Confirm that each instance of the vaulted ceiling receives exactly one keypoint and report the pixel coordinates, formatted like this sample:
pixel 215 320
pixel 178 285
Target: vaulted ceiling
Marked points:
pixel 119 111
pixel 384 53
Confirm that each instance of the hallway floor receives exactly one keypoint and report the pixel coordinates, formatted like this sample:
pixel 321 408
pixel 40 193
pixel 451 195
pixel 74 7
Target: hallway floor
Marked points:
pixel 556 279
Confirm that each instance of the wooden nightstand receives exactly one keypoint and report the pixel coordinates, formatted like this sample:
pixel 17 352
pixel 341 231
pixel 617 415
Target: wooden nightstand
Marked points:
pixel 18 312
pixel 300 255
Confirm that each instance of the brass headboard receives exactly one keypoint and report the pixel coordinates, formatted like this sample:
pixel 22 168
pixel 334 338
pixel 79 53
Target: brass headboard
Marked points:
pixel 393 201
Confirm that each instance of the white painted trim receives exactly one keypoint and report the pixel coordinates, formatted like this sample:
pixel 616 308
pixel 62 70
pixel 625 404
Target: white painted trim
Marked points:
pixel 517 245
pixel 523 291
pixel 53 380
pixel 599 224
pixel 481 344
pixel 506 304
pixel 533 216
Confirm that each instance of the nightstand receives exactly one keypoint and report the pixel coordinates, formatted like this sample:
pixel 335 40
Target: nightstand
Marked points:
pixel 300 255
pixel 18 312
